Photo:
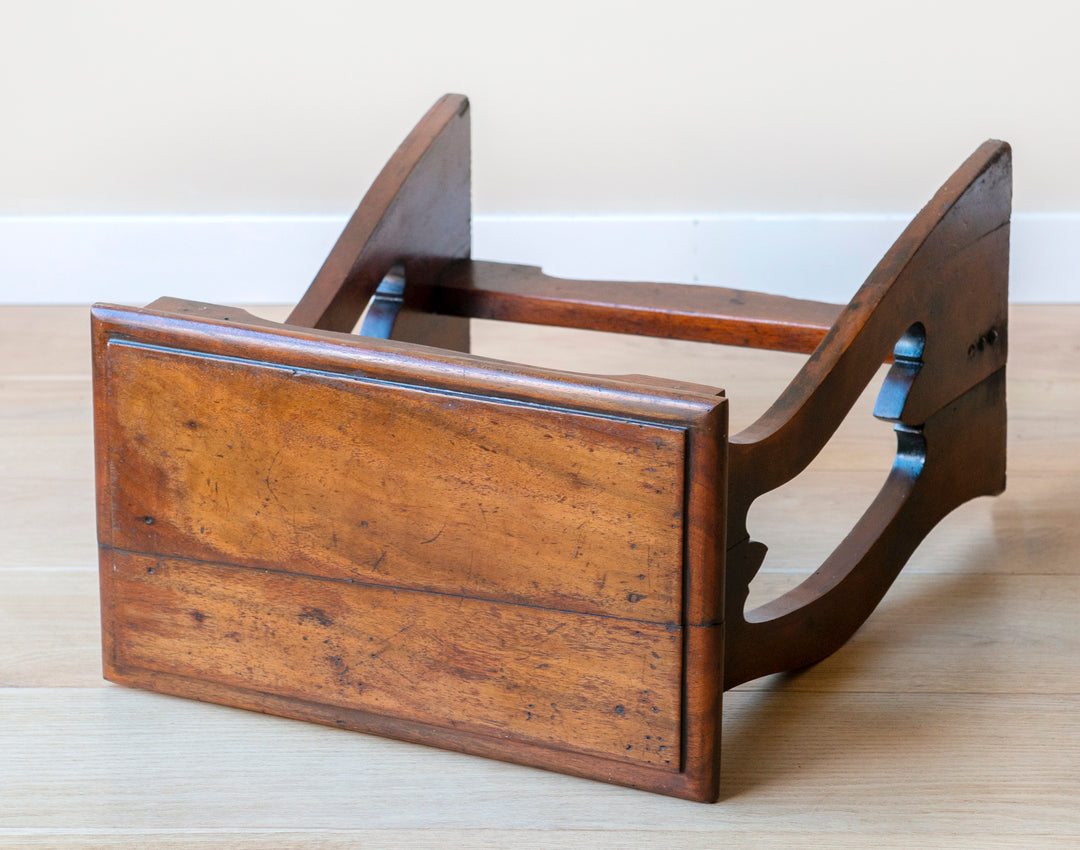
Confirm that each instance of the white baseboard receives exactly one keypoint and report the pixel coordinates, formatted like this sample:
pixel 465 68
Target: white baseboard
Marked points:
pixel 271 259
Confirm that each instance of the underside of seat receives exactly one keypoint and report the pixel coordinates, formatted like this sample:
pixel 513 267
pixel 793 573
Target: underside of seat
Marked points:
pixel 381 531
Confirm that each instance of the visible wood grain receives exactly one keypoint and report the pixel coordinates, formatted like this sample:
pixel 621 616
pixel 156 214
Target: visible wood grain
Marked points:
pixel 52 618
pixel 1027 530
pixel 939 299
pixel 394 485
pixel 1005 635
pixel 926 765
pixel 22 353
pixel 29 506
pixel 505 671
pixel 207 329
pixel 52 628
pixel 939 296
pixel 162 373
pixel 46 446
pixel 67 355
pixel 1044 394
pixel 844 755
pixel 499 839
pixel 517 293
pixel 1044 346
pixel 1024 531
pixel 559 492
pixel 957 463
pixel 948 271
pixel 940 293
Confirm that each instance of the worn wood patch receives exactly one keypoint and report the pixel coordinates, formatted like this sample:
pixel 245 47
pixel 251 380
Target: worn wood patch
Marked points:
pixel 583 683
pixel 244 463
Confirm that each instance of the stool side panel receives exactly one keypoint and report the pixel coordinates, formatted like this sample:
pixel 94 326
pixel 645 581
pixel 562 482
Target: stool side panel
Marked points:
pixel 704 628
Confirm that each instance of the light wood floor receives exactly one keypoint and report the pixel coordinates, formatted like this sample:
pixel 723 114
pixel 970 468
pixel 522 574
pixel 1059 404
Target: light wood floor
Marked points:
pixel 951 719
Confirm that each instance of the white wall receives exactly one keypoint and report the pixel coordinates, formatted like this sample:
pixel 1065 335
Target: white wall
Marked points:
pixel 251 107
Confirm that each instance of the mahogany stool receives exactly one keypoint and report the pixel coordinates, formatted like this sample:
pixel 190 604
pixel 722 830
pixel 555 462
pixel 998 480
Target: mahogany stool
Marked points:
pixel 382 532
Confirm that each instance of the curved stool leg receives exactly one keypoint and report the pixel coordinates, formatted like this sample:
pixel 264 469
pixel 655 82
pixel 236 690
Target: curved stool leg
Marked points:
pixel 415 216
pixel 942 290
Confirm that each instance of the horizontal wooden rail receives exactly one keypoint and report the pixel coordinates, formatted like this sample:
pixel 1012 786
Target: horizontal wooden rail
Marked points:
pixel 514 293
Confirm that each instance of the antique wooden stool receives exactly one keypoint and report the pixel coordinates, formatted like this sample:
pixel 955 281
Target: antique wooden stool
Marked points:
pixel 384 533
